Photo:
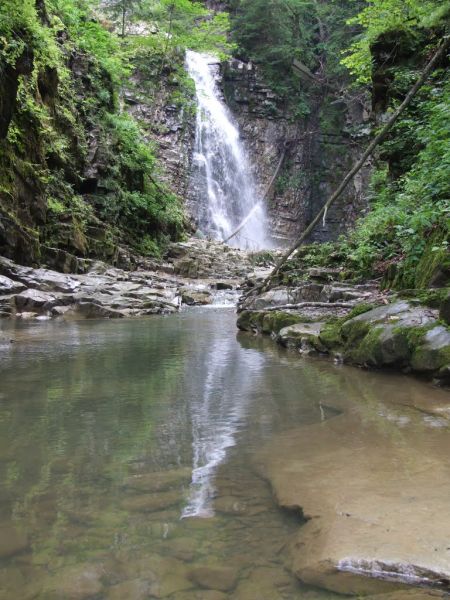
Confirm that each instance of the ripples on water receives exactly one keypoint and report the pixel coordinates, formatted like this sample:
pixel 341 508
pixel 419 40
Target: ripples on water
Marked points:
pixel 126 457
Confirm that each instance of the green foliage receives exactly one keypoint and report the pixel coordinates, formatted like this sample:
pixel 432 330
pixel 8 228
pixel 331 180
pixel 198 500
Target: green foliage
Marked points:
pixel 22 29
pixel 380 16
pixel 49 138
pixel 405 212
pixel 409 222
pixel 134 202
pixel 274 32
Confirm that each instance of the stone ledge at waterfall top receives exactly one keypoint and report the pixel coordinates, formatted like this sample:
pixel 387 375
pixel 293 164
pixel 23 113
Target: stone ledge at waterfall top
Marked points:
pixel 197 272
pixel 357 324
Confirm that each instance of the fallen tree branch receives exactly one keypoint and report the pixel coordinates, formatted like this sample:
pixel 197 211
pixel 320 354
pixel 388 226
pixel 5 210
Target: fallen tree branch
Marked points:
pixel 379 138
pixel 303 305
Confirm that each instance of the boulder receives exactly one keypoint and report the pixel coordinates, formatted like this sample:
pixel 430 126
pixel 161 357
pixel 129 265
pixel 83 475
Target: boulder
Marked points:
pixel 92 310
pixel 433 353
pixel 9 286
pixel 222 285
pixel 196 297
pixel 387 335
pixel 33 299
pixel 401 314
pixel 300 335
pixel 383 345
pixel 273 298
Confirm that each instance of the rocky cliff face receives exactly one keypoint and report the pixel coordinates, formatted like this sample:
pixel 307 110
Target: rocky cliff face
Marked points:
pixel 167 116
pixel 315 152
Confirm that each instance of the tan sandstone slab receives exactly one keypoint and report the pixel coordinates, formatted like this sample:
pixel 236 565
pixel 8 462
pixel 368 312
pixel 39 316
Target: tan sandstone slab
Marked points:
pixel 374 483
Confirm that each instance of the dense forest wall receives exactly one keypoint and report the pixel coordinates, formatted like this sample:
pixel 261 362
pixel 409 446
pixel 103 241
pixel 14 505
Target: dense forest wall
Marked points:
pixel 89 167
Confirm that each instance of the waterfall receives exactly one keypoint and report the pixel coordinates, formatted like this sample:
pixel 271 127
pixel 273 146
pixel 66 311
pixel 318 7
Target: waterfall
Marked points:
pixel 222 177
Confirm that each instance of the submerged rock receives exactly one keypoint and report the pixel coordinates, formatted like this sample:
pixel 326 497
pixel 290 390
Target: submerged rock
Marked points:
pixel 12 541
pixel 215 578
pixel 194 297
pixel 135 589
pixel 75 583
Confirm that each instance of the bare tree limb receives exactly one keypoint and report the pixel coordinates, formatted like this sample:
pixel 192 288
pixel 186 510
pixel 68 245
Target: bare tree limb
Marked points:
pixel 305 305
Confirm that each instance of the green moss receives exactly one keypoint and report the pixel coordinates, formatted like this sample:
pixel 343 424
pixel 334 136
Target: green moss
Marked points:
pixel 276 321
pixel 414 335
pixel 425 359
pixel 354 330
pixel 367 351
pixel 250 320
pixel 435 258
pixel 331 336
pixel 359 309
pixel 430 297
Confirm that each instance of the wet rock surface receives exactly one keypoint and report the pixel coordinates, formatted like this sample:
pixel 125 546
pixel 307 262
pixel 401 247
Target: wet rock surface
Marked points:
pixel 384 528
pixel 357 324
pixel 197 272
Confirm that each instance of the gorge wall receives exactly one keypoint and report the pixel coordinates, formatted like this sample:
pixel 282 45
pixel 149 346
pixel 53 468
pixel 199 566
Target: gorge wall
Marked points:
pixel 316 151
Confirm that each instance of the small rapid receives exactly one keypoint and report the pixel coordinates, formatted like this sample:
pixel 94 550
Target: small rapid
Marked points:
pixel 221 171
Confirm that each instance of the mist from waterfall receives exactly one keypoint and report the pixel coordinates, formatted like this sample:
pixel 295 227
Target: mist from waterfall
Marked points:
pixel 221 169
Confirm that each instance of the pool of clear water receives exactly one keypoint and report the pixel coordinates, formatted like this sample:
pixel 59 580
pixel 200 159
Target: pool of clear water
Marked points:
pixel 127 458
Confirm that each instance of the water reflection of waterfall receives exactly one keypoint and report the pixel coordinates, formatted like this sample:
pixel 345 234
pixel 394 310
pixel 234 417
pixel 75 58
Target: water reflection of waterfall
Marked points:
pixel 221 170
pixel 218 408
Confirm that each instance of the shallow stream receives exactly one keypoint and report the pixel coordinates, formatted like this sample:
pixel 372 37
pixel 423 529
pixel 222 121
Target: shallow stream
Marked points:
pixel 127 456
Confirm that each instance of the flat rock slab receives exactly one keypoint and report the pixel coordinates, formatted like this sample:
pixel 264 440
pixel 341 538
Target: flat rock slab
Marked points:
pixel 374 483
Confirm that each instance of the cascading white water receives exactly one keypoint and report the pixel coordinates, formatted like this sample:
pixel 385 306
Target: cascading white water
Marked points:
pixel 221 170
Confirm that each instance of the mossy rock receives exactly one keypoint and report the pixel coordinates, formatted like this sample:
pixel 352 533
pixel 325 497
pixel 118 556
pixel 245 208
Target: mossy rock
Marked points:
pixel 433 353
pixel 331 336
pixel 354 329
pixel 366 350
pixel 274 322
pixel 245 320
pixel 303 337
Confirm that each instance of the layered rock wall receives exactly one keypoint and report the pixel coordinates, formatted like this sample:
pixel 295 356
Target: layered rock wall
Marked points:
pixel 316 151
